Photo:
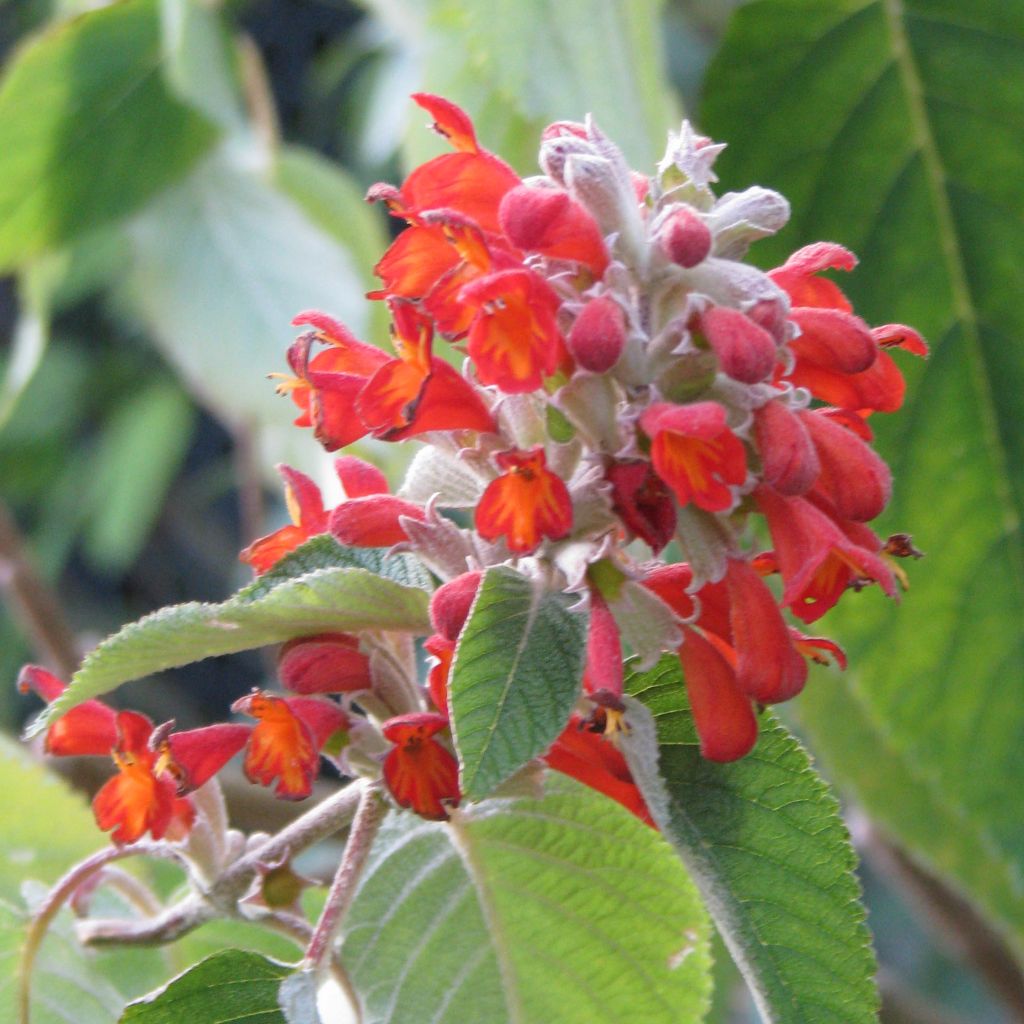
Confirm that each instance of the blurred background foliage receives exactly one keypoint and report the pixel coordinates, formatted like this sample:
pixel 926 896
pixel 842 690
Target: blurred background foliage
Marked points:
pixel 178 178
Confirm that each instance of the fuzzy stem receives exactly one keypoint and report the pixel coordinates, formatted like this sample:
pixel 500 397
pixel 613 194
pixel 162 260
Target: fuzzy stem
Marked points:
pixel 360 839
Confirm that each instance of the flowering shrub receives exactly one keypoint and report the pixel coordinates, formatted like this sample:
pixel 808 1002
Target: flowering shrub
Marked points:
pixel 637 448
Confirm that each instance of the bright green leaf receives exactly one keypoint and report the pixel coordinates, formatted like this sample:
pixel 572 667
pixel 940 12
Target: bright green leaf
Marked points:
pixel 326 600
pixel 524 911
pixel 88 129
pixel 226 988
pixel 515 678
pixel 324 552
pixel 764 842
pixel 908 151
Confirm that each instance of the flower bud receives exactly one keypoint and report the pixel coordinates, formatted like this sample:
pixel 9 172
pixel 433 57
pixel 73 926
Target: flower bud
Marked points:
pixel 739 218
pixel 557 149
pixel 598 336
pixel 789 461
pixel 450 604
pixel 745 351
pixel 684 237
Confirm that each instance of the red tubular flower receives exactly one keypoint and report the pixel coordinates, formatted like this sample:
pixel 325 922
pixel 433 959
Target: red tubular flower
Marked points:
pixel 593 760
pixel 525 504
pixel 142 797
pixel 88 729
pixel 789 461
pixel 417 391
pixel 373 521
pixel 642 501
pixel 745 351
pixel 768 666
pixel 420 773
pixel 359 478
pixel 598 335
pixel 414 262
pixel 285 744
pixel 550 222
pixel 798 275
pixel 470 180
pixel 854 478
pixel 602 677
pixel 817 559
pixel 451 602
pixel 695 452
pixel 323 663
pixel 196 755
pixel 722 712
pixel 437 680
pixel 514 339
pixel 306 507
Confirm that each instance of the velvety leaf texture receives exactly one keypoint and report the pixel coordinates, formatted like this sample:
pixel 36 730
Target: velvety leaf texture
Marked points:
pixel 228 987
pixel 894 128
pixel 764 842
pixel 516 676
pixel 326 600
pixel 88 128
pixel 563 909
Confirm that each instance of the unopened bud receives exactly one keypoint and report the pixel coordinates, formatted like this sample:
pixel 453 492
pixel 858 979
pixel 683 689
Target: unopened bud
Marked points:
pixel 598 335
pixel 788 457
pixel 684 237
pixel 745 351
pixel 555 151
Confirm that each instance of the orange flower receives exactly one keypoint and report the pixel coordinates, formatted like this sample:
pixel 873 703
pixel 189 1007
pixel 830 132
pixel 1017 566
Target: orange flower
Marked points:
pixel 695 452
pixel 514 340
pixel 525 504
pixel 305 506
pixel 285 745
pixel 420 773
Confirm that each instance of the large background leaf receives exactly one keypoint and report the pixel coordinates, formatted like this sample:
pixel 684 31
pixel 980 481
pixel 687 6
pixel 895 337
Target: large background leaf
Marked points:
pixel 88 129
pixel 894 128
pixel 564 909
pixel 764 842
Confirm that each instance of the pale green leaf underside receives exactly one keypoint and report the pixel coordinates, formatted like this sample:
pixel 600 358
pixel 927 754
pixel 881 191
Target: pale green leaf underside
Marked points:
pixel 764 842
pixel 88 128
pixel 326 600
pixel 515 678
pixel 226 988
pixel 563 910
pixel 908 150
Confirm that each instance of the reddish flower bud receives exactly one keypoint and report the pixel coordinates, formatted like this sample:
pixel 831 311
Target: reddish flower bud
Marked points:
pixel 524 505
pixel 324 663
pixel 722 712
pixel 550 222
pixel 598 335
pixel 602 676
pixel 373 521
pixel 420 773
pixel 854 478
pixel 359 478
pixel 695 452
pixel 745 351
pixel 834 339
pixel 685 238
pixel 450 604
pixel 789 461
pixel 643 502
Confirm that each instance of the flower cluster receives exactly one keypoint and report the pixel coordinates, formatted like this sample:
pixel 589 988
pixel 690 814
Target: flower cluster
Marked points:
pixel 626 385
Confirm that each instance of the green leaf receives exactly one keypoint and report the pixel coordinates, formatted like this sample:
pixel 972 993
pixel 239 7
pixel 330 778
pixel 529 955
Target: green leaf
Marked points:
pixel 225 988
pixel 565 909
pixel 70 985
pixel 326 600
pixel 515 678
pixel 764 842
pixel 551 60
pixel 324 552
pixel 907 151
pixel 141 450
pixel 88 129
